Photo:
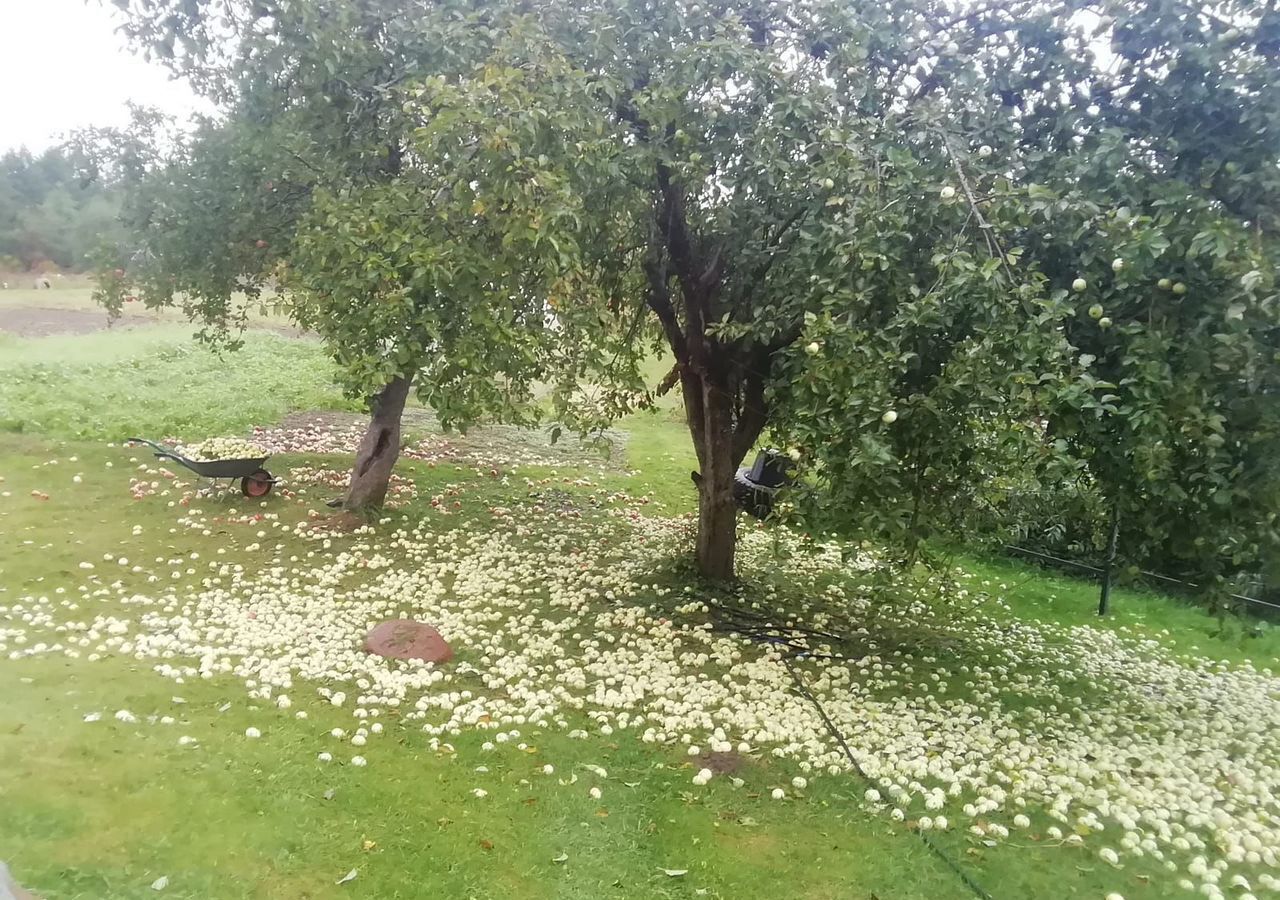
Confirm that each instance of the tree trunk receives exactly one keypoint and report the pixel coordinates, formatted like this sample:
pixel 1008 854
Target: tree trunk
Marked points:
pixel 717 524
pixel 711 424
pixel 379 449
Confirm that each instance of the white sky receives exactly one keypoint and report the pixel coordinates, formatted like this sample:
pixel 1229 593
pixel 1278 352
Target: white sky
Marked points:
pixel 62 67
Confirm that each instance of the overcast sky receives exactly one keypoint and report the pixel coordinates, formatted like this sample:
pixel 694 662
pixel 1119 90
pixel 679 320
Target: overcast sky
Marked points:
pixel 62 67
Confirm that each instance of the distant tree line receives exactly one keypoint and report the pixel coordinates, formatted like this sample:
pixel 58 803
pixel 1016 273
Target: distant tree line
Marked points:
pixel 55 209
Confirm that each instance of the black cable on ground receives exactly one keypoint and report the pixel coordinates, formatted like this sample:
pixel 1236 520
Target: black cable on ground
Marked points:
pixel 937 851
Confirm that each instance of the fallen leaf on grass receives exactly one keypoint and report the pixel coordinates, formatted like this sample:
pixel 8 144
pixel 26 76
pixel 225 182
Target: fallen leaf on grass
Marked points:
pixel 368 844
pixel 486 844
pixel 563 857
pixel 350 876
pixel 330 794
pixel 160 883
pixel 675 873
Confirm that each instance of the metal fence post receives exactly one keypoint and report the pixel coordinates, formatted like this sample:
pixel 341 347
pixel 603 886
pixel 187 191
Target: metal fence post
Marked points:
pixel 1104 597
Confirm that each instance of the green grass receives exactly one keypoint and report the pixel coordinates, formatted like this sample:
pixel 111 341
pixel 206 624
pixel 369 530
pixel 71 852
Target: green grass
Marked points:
pixel 151 383
pixel 104 809
pixel 80 350
pixel 1043 594
pixel 101 810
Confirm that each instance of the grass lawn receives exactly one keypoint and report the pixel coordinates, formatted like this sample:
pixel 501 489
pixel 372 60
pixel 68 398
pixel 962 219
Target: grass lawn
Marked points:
pixel 144 628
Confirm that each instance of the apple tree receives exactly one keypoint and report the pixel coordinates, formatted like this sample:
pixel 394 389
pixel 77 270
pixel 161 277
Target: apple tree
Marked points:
pixel 310 190
pixel 854 228
pixel 861 229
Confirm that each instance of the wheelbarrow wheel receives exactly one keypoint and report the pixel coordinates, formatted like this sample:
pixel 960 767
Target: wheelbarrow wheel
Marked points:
pixel 257 484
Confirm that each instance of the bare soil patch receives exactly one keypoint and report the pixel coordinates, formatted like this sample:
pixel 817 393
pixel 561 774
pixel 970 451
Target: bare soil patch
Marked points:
pixel 41 321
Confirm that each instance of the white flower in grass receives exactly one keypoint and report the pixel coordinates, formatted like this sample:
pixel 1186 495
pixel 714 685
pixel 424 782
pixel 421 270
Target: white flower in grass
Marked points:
pixel 359 761
pixel 358 740
pixel 123 715
pixel 479 793
pixel 325 757
pixel 252 732
pixel 1021 821
pixel 872 795
pixel 1107 855
pixel 799 783
pixel 548 769
pixel 779 794
pixel 595 793
pixel 897 815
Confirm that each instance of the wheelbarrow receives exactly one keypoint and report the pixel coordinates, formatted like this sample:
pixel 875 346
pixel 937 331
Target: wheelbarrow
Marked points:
pixel 255 481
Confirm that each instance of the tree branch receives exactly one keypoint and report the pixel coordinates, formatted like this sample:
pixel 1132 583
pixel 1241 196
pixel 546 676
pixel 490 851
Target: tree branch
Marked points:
pixel 755 412
pixel 659 300
pixel 675 232
pixel 988 232
pixel 668 381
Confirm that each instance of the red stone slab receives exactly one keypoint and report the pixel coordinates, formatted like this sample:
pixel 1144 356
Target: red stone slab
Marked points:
pixel 407 639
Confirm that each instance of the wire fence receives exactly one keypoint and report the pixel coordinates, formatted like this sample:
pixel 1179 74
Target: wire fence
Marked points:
pixel 1102 573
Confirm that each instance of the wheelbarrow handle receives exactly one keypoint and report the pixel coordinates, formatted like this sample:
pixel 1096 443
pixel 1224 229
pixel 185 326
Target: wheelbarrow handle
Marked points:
pixel 161 451
pixel 152 444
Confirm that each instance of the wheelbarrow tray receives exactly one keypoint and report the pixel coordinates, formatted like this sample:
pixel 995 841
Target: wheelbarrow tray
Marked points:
pixel 217 468
pixel 224 468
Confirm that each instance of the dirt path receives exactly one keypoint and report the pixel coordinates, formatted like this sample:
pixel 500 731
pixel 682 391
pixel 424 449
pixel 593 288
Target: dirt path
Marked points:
pixel 35 321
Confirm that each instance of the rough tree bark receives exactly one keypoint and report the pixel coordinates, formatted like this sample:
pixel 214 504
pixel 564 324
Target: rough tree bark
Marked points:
pixel 379 449
pixel 717 514
pixel 722 383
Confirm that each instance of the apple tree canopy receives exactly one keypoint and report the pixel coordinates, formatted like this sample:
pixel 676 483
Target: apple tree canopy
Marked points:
pixel 918 241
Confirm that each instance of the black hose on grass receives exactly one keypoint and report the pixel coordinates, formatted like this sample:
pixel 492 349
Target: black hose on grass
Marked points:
pixel 937 851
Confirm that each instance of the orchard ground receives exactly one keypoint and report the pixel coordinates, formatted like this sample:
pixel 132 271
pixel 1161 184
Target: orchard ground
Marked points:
pixel 186 705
